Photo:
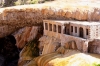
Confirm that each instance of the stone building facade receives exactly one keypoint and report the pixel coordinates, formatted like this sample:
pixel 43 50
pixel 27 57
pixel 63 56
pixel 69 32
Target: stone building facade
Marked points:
pixel 83 33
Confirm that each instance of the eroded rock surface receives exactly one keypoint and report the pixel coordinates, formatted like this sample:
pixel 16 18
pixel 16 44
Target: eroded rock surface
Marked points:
pixel 48 44
pixel 29 52
pixel 14 18
pixel 54 55
pixel 25 35
pixel 68 58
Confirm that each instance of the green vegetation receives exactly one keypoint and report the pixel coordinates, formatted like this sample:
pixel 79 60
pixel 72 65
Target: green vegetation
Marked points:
pixel 6 3
pixel 96 64
pixel 22 2
pixel 33 47
pixel 33 1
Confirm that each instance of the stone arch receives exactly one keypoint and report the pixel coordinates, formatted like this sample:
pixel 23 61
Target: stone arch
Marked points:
pixel 81 32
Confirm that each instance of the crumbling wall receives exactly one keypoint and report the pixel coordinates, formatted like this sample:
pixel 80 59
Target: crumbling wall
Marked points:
pixel 79 41
pixel 94 46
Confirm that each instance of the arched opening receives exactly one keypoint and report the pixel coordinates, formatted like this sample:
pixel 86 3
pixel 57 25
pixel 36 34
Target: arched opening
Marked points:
pixel 81 32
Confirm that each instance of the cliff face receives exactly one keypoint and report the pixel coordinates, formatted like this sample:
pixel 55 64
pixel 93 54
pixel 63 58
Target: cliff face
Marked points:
pixel 25 35
pixel 59 58
pixel 14 18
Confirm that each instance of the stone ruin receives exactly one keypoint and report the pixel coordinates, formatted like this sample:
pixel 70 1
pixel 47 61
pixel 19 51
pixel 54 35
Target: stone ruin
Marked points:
pixel 85 34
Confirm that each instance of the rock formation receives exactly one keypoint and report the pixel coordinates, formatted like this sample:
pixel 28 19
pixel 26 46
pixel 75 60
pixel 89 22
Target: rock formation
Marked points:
pixel 28 42
pixel 48 44
pixel 17 17
pixel 29 52
pixel 52 54
pixel 14 18
pixel 25 35
pixel 67 58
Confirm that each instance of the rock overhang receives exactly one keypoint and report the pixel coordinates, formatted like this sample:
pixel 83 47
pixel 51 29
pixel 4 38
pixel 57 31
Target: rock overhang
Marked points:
pixel 31 15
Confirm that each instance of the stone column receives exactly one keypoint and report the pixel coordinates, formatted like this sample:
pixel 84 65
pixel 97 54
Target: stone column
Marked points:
pixel 98 31
pixel 85 46
pixel 62 29
pixel 57 28
pixel 77 31
pixel 62 32
pixel 89 33
pixel 48 26
pixel 84 34
pixel 44 27
pixel 52 27
pixel 73 30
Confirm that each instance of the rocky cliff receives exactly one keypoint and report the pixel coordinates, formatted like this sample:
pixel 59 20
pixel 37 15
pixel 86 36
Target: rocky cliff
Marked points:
pixel 67 58
pixel 14 18
pixel 53 54
pixel 25 35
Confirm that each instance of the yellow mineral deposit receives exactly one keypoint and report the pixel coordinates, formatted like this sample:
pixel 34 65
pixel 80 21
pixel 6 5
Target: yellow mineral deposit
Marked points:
pixel 28 34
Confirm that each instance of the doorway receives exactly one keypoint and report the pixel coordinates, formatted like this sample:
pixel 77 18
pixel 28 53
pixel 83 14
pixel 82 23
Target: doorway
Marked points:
pixel 81 32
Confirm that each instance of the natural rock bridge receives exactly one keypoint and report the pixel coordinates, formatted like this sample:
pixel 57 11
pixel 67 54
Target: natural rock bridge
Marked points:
pixel 14 18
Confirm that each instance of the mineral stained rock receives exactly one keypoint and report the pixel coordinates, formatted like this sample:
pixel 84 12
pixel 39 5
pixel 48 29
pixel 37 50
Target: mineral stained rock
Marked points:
pixel 48 44
pixel 68 58
pixel 67 55
pixel 25 35
pixel 29 52
pixel 14 18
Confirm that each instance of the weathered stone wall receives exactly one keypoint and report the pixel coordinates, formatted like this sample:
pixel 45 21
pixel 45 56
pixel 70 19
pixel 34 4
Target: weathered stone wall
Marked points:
pixel 94 46
pixel 77 34
pixel 79 41
pixel 28 15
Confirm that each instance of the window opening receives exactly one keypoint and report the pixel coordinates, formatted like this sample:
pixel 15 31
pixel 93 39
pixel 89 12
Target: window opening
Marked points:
pixel 46 26
pixel 71 28
pixel 50 27
pixel 75 29
pixel 59 29
pixel 87 32
pixel 54 28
